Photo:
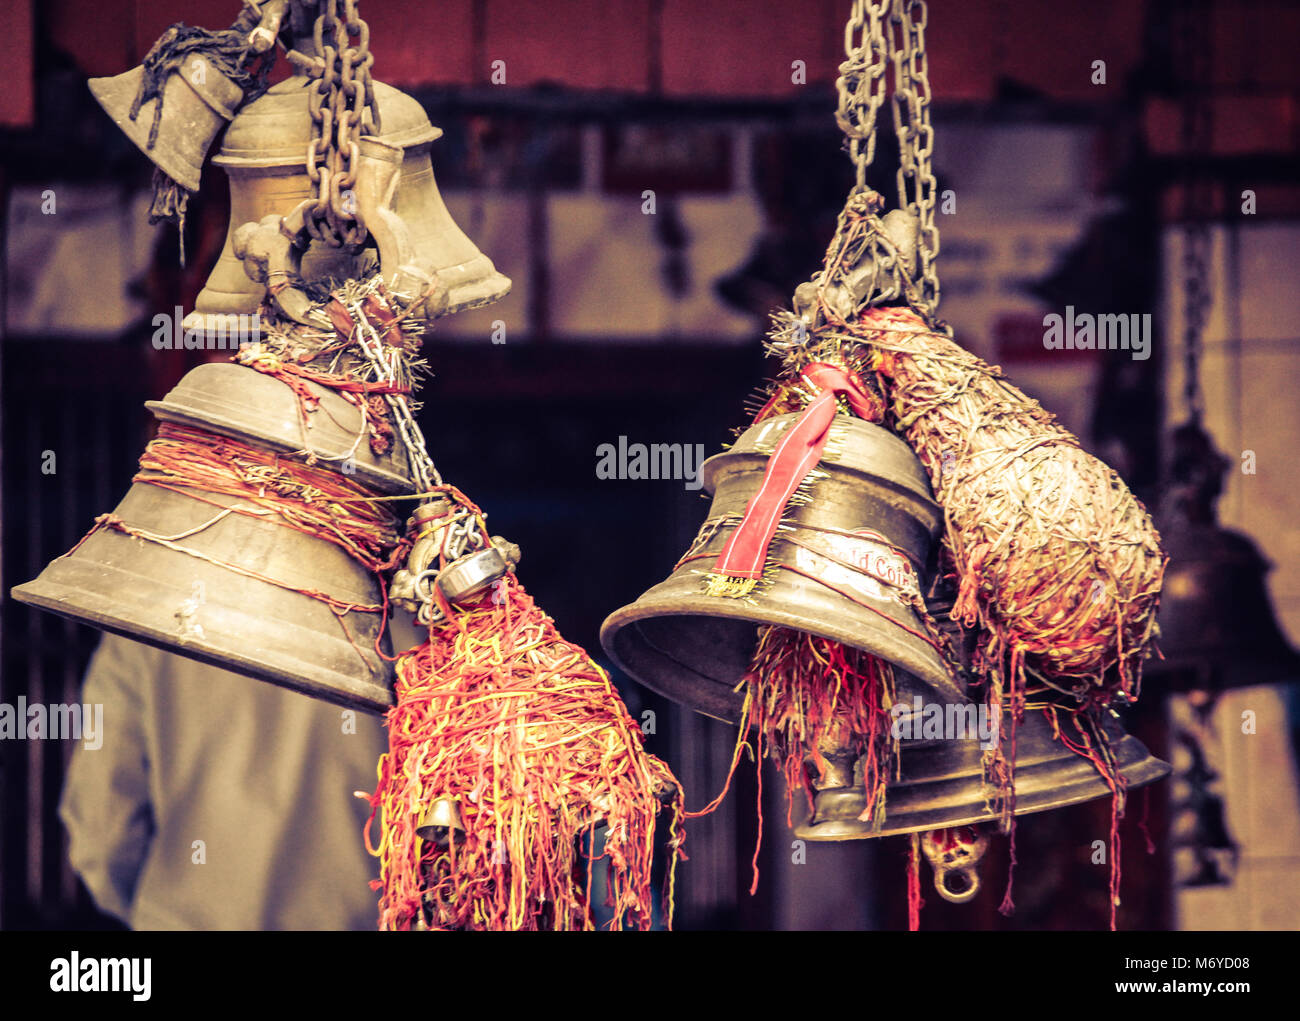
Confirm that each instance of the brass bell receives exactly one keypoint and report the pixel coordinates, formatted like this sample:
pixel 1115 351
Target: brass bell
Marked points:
pixel 264 155
pixel 442 823
pixel 941 778
pixel 941 782
pixel 198 100
pixel 246 616
pixel 1217 627
pixel 844 566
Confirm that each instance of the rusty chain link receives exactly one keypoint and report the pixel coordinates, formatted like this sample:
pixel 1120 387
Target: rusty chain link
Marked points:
pixel 861 85
pixel 878 33
pixel 341 101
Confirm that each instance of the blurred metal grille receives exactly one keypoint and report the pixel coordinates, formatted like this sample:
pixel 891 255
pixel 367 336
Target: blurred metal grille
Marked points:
pixel 92 422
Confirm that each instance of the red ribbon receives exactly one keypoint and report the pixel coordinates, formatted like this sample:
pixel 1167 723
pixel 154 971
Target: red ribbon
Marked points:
pixel 795 456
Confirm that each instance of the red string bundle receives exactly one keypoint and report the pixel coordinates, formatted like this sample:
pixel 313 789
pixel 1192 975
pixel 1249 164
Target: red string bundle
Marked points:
pixel 525 734
pixel 817 699
pixel 817 706
pixel 318 502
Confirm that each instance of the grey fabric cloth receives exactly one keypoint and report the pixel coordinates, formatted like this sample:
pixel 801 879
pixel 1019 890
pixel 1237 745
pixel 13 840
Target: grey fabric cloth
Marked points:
pixel 262 776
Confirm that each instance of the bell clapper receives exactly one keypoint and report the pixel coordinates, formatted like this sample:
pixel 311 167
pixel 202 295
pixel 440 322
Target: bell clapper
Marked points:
pixel 835 748
pixel 954 855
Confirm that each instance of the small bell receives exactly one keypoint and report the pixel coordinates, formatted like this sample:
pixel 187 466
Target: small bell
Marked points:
pixel 416 244
pixel 1217 626
pixel 844 565
pixel 198 100
pixel 441 824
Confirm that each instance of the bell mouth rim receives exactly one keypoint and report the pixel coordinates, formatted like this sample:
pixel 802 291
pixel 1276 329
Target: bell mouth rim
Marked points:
pixel 619 624
pixel 1083 784
pixel 305 678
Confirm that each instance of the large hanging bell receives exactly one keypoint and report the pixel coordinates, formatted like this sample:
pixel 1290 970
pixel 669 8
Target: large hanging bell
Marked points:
pixel 1217 628
pixel 198 100
pixel 264 155
pixel 941 777
pixel 231 593
pixel 844 565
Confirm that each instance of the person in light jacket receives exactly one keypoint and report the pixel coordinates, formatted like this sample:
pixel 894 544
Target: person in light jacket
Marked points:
pixel 220 802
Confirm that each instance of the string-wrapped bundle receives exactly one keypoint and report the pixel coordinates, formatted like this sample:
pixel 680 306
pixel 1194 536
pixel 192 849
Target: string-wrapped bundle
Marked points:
pixel 1056 560
pixel 524 733
pixel 517 733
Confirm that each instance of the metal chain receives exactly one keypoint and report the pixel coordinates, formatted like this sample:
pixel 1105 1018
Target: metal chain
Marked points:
pixel 916 137
pixel 861 84
pixel 423 471
pixel 879 33
pixel 341 101
pixel 1198 198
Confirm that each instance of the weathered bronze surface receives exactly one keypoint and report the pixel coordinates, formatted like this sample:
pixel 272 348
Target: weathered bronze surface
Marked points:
pixel 941 784
pixel 264 156
pixel 176 601
pixel 196 105
pixel 695 648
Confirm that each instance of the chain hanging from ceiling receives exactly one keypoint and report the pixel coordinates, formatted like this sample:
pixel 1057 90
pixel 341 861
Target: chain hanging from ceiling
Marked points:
pixel 903 245
pixel 343 108
pixel 1197 131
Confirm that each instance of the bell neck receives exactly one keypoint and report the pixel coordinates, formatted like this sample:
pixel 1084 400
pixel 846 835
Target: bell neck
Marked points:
pixel 1195 480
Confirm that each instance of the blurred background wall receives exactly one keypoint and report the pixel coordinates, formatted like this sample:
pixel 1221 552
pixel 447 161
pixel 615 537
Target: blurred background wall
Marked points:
pixel 1065 191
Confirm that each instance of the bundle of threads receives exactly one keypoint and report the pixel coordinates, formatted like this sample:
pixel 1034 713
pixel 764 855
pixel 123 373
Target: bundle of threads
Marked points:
pixel 496 713
pixel 525 735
